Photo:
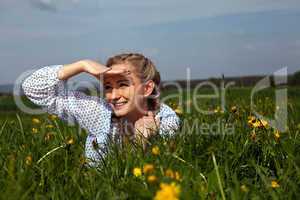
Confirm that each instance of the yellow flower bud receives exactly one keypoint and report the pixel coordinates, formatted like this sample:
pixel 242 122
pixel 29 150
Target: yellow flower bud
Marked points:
pixel 155 150
pixel 28 160
pixel 36 121
pixel 148 168
pixel 137 172
pixel 34 130
pixel 274 184
pixel 152 179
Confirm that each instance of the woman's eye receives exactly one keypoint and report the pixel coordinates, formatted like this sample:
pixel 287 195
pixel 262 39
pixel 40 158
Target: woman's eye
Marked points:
pixel 123 85
pixel 107 87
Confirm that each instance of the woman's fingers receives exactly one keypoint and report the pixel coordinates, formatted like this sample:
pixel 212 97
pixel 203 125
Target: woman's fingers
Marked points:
pixel 110 72
pixel 116 71
pixel 107 70
pixel 151 114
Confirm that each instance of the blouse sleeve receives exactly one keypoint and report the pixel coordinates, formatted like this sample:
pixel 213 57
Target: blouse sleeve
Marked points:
pixel 169 121
pixel 92 113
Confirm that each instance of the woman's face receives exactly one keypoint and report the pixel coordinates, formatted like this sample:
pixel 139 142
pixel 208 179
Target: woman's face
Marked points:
pixel 124 92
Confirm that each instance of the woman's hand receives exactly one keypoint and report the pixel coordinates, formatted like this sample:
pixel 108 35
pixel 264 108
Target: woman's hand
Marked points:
pixel 146 127
pixel 96 69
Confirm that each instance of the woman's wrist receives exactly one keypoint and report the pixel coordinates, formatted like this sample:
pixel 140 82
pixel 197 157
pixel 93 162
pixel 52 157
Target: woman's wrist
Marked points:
pixel 69 70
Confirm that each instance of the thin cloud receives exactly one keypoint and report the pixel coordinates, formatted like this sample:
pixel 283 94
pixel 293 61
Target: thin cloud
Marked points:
pixel 47 5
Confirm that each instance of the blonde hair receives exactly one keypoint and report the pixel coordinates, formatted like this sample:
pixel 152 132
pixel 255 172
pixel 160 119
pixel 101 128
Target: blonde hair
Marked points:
pixel 145 69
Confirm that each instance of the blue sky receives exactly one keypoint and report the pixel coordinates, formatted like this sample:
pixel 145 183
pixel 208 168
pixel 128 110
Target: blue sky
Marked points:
pixel 211 37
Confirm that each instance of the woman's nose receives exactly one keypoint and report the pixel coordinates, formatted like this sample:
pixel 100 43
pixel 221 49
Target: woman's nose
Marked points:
pixel 115 94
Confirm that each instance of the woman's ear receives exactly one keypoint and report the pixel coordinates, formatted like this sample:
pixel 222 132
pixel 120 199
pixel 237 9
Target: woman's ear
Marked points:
pixel 148 88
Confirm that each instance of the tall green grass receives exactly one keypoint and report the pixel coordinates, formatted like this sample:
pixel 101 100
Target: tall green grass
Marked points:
pixel 243 165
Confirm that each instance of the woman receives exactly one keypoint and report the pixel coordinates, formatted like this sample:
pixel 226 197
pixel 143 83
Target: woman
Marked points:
pixel 131 106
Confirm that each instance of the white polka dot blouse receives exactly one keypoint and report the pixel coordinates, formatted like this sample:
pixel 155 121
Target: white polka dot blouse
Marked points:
pixel 92 113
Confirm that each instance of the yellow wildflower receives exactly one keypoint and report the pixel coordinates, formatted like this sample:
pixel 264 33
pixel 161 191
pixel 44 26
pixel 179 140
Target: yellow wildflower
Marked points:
pixel 82 160
pixel 169 173
pixel 34 130
pixel 178 110
pixel 277 135
pixel 53 117
pixel 151 178
pixel 177 176
pixel 48 136
pixel 244 188
pixel 70 141
pixel 155 150
pixel 35 121
pixel 217 110
pixel 233 109
pixel 274 184
pixel 49 126
pixel 28 160
pixel 256 124
pixel 148 168
pixel 251 120
pixel 171 104
pixel 168 192
pixel 253 136
pixel 264 123
pixel 137 172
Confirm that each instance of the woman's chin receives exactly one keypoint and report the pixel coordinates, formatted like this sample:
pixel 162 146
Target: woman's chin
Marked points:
pixel 120 112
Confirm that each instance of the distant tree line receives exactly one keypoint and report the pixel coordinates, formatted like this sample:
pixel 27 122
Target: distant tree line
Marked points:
pixel 242 81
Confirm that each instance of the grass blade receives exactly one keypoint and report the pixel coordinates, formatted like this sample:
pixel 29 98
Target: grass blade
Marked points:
pixel 218 176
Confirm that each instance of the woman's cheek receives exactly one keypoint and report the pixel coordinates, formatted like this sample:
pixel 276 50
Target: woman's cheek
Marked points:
pixel 107 96
pixel 127 93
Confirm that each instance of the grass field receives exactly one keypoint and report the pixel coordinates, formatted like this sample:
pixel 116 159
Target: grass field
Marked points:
pixel 43 159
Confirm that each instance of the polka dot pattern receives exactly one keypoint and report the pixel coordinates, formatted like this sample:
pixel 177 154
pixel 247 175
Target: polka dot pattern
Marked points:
pixel 92 113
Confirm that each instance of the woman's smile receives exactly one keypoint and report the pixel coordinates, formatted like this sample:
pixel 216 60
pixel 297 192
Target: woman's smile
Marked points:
pixel 119 105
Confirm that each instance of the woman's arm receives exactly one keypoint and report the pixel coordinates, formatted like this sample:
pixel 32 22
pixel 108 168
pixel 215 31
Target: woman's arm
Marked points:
pixel 69 70
pixel 48 88
pixel 91 67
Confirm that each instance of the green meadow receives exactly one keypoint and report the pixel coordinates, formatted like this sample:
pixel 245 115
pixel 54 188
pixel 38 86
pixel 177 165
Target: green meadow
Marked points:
pixel 227 154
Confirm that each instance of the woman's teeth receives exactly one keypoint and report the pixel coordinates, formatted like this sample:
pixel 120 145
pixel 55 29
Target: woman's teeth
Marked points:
pixel 119 104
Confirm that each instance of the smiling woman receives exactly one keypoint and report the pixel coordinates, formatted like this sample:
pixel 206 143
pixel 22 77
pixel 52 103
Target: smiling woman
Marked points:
pixel 140 87
pixel 131 104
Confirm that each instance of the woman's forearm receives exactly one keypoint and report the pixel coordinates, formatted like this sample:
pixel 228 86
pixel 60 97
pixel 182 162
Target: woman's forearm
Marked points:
pixel 69 70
